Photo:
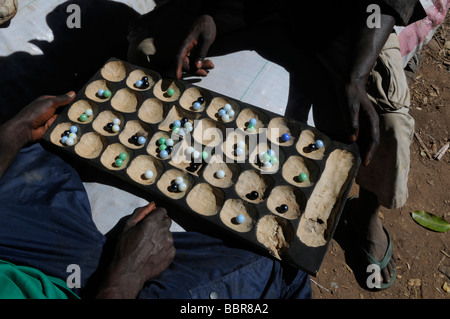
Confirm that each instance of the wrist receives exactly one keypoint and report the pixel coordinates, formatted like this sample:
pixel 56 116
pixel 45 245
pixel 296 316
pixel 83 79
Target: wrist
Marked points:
pixel 14 132
pixel 358 79
pixel 119 285
pixel 12 139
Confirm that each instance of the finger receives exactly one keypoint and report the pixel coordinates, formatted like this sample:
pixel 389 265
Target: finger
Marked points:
pixel 201 52
pixel 51 103
pixel 141 212
pixel 50 122
pixel 199 63
pixel 58 100
pixel 42 129
pixel 354 122
pixel 208 64
pixel 160 213
pixel 201 72
pixel 370 153
pixel 186 66
pixel 373 145
pixel 186 47
pixel 206 36
pixel 45 97
pixel 63 99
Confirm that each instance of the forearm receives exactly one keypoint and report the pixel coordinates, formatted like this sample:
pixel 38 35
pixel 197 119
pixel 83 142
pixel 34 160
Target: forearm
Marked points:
pixel 29 126
pixel 12 139
pixel 368 44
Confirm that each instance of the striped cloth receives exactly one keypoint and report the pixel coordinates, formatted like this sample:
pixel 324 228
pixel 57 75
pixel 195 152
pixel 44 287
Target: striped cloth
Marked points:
pixel 414 36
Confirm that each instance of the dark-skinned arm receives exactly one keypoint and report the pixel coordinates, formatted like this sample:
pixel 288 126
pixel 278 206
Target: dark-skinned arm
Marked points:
pixel 144 249
pixel 194 49
pixel 363 118
pixel 144 241
pixel 28 126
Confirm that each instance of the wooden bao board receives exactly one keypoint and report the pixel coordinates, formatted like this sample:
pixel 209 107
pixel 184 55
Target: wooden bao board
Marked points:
pixel 299 236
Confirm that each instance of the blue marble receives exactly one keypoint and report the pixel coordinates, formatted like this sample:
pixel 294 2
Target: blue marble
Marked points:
pixel 240 218
pixel 197 106
pixel 319 143
pixel 163 154
pixel 141 140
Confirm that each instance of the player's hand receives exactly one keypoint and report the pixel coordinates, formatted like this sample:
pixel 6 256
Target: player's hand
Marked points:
pixel 364 120
pixel 191 56
pixel 34 120
pixel 144 250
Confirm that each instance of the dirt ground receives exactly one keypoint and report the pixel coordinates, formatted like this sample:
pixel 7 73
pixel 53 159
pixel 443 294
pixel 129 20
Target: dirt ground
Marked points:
pixel 419 252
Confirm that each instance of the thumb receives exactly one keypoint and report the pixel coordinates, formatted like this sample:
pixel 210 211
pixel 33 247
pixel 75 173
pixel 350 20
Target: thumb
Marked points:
pixel 63 99
pixel 201 52
pixel 59 100
pixel 141 212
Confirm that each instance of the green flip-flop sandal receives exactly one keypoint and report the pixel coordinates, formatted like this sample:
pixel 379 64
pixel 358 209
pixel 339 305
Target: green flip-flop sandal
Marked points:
pixel 381 265
pixel 371 282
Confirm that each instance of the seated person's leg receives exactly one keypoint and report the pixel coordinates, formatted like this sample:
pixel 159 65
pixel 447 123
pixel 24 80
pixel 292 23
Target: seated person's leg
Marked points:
pixel 206 267
pixel 47 224
pixel 46 217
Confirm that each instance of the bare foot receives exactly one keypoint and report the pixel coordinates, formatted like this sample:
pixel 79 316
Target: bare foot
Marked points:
pixel 362 216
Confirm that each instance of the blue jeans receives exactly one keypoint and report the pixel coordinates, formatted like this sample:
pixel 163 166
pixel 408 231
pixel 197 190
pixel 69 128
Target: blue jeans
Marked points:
pixel 46 223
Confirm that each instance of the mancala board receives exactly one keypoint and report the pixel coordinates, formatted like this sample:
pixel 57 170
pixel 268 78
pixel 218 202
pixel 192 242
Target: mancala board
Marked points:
pixel 277 184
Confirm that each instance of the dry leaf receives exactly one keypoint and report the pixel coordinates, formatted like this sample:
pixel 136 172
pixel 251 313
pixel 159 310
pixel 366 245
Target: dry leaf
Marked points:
pixel 414 282
pixel 435 88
